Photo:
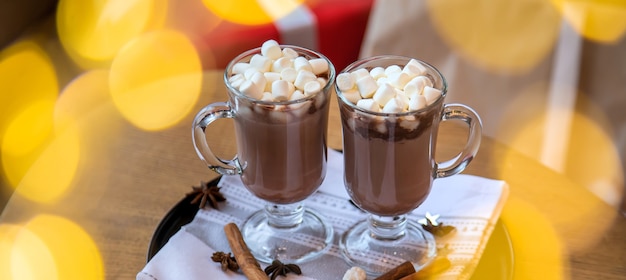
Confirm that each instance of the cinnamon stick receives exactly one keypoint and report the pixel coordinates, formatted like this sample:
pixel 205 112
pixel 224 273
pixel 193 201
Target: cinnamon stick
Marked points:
pixel 438 265
pixel 244 257
pixel 404 269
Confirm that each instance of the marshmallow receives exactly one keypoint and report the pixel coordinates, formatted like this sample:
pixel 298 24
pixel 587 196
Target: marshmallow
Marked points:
pixel 403 99
pixel 303 78
pixel 250 89
pixel 360 73
pixel 409 122
pixel 382 80
pixel 301 63
pixel 271 49
pixel 368 104
pixel 322 81
pixel 352 95
pixel 290 53
pixel 280 90
pixel 378 72
pixel 384 93
pixel 392 69
pixel 414 68
pixel 319 65
pixel 393 106
pixel 416 85
pixel 240 67
pixel 398 79
pixel 236 80
pixel 345 81
pixel 367 86
pixel 289 74
pixel 431 94
pixel 312 88
pixel 250 72
pixel 417 102
pixel 267 96
pixel 281 63
pixel 259 80
pixel 297 94
pixel 261 63
pixel 270 77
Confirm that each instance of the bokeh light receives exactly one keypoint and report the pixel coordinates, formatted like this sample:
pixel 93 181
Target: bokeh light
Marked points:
pixel 48 247
pixel 497 35
pixel 537 246
pixel 252 12
pixel 156 79
pixel 92 32
pixel 603 21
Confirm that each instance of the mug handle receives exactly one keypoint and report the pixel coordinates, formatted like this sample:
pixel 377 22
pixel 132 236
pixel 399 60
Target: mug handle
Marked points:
pixel 204 118
pixel 461 160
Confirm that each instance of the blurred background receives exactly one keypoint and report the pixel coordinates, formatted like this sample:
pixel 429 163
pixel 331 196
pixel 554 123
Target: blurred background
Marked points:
pixel 548 77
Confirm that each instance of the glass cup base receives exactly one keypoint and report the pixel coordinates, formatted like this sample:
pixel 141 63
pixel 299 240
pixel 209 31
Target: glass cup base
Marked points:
pixel 378 255
pixel 296 244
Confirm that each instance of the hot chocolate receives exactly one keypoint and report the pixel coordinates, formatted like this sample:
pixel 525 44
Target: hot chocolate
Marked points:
pixel 389 171
pixel 283 150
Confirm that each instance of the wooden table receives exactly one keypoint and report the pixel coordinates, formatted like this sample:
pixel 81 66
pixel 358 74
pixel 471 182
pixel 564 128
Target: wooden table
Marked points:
pixel 127 179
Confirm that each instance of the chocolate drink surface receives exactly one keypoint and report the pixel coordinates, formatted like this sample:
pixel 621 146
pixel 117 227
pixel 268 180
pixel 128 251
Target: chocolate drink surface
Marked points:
pixel 390 168
pixel 283 151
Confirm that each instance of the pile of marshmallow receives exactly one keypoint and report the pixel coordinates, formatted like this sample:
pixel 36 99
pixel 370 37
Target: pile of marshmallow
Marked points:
pixel 393 89
pixel 279 74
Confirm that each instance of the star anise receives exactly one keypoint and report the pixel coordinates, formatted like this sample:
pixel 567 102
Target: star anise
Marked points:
pixel 227 261
pixel 206 193
pixel 430 224
pixel 277 268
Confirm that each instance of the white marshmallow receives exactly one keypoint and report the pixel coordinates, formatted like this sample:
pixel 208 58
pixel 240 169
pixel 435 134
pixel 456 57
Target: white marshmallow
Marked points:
pixel 382 80
pixel 393 106
pixel 240 67
pixel 360 73
pixel 297 94
pixel 261 63
pixel 367 86
pixel 414 68
pixel 378 72
pixel 267 96
pixel 398 79
pixel 250 89
pixel 352 95
pixel 250 72
pixel 290 53
pixel 301 63
pixel 271 49
pixel 289 74
pixel 312 88
pixel 319 65
pixel 322 81
pixel 403 99
pixel 270 77
pixel 259 80
pixel 417 102
pixel 384 93
pixel 236 80
pixel 368 104
pixel 345 81
pixel 416 85
pixel 303 78
pixel 392 69
pixel 380 125
pixel 409 122
pixel 431 94
pixel 281 63
pixel 280 90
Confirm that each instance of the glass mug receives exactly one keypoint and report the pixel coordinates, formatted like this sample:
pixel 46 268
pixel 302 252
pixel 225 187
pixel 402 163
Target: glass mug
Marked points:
pixel 281 158
pixel 390 168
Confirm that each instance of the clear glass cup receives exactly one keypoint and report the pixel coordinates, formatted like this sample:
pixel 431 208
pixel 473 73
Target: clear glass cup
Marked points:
pixel 281 158
pixel 389 170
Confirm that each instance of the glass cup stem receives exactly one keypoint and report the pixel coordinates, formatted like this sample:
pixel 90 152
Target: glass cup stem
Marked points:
pixel 387 228
pixel 284 215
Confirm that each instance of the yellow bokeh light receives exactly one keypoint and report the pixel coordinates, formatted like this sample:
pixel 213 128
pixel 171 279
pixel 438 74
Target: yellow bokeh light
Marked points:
pixel 599 20
pixel 252 12
pixel 537 246
pixel 48 247
pixel 92 32
pixel 498 36
pixel 156 79
pixel 37 160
